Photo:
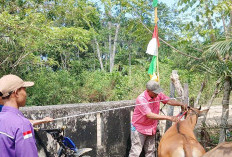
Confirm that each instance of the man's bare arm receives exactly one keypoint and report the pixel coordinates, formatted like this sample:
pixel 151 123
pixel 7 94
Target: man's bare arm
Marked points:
pixel 41 121
pixel 161 117
pixel 177 103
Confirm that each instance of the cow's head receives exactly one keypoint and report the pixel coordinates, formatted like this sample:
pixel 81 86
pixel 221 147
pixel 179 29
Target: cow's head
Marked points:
pixel 196 111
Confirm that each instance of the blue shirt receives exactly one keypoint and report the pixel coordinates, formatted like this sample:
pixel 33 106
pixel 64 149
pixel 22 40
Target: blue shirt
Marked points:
pixel 1 107
pixel 16 134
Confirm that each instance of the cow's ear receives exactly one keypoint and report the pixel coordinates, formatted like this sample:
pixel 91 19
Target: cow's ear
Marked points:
pixel 203 112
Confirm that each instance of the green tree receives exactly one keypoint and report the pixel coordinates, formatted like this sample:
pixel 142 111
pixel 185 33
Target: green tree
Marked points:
pixel 221 66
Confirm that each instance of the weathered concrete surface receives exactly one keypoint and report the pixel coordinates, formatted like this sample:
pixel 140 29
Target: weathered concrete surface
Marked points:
pixel 110 137
pixel 114 129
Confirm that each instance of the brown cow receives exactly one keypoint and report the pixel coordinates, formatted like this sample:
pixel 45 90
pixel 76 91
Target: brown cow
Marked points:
pixel 179 140
pixel 222 150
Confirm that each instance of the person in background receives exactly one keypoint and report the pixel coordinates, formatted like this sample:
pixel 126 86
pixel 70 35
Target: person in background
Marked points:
pixel 16 131
pixel 145 119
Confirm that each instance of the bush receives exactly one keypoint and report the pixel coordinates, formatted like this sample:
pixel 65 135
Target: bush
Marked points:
pixel 62 87
pixel 52 88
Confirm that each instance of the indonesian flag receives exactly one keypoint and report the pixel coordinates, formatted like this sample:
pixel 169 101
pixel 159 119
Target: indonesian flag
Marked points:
pixel 27 134
pixel 155 3
pixel 152 49
pixel 152 71
pixel 153 45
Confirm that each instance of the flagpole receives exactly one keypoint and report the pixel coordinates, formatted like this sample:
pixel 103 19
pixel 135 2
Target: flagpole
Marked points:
pixel 157 65
pixel 152 48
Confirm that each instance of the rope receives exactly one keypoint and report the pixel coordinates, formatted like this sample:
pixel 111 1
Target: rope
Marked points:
pixel 112 109
pixel 180 115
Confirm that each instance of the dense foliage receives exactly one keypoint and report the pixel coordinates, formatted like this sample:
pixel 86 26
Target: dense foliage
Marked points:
pixel 88 51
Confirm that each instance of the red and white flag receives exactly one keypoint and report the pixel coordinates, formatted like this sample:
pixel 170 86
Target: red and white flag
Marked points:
pixel 153 45
pixel 27 134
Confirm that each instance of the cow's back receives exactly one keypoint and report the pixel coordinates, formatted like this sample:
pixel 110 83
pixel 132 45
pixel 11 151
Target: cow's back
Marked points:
pixel 179 141
pixel 223 150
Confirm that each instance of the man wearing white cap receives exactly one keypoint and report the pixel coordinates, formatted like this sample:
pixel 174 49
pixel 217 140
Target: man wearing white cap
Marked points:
pixel 145 119
pixel 16 132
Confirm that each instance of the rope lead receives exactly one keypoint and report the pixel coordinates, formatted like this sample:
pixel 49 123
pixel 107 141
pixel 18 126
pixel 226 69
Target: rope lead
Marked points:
pixel 89 113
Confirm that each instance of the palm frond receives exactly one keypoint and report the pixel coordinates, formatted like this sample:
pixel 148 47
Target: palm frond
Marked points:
pixel 221 48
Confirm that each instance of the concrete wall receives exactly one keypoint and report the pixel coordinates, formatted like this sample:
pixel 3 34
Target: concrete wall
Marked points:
pixel 107 133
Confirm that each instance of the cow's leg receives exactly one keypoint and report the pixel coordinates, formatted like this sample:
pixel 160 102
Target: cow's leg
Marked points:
pixel 197 152
pixel 179 152
pixel 149 146
pixel 137 142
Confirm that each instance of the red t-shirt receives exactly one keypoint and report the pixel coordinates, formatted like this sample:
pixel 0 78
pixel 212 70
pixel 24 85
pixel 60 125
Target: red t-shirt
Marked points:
pixel 145 105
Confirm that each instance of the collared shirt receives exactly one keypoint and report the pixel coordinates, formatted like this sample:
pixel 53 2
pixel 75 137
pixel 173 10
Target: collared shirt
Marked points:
pixel 145 105
pixel 16 134
pixel 1 107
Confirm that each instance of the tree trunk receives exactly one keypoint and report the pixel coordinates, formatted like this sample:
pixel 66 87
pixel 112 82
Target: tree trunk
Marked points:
pixel 110 40
pixel 129 63
pixel 130 55
pixel 210 102
pixel 205 137
pixel 209 21
pixel 181 92
pixel 170 109
pixel 230 25
pixel 224 26
pixel 199 94
pixel 99 53
pixel 212 36
pixel 106 59
pixel 225 108
pixel 186 94
pixel 78 53
pixel 177 84
pixel 112 56
pixel 63 58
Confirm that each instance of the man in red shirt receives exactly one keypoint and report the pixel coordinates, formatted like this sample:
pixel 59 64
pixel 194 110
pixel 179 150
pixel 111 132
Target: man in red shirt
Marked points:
pixel 145 119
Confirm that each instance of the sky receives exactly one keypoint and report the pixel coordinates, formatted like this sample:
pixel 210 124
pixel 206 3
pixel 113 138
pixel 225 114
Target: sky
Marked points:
pixel 168 2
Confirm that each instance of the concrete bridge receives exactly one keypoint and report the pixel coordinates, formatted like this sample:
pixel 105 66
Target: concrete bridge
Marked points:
pixel 107 133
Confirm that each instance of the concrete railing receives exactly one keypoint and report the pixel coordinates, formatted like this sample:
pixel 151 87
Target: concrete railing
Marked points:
pixel 107 133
